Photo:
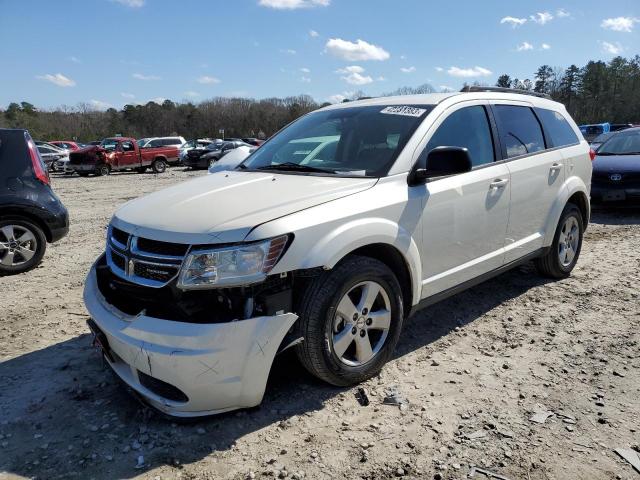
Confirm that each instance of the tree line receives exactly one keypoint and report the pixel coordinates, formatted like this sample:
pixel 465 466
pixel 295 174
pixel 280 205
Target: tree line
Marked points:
pixel 597 92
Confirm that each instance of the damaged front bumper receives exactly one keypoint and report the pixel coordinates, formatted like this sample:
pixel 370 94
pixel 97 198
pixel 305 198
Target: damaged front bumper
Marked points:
pixel 187 369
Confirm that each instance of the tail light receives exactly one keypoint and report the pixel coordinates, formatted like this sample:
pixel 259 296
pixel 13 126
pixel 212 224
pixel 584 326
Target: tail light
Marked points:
pixel 42 174
pixel 592 154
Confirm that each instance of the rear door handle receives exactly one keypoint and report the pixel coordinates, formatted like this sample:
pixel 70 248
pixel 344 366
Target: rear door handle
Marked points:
pixel 555 167
pixel 498 183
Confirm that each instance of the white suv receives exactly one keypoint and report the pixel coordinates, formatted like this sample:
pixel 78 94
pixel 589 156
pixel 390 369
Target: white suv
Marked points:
pixel 328 236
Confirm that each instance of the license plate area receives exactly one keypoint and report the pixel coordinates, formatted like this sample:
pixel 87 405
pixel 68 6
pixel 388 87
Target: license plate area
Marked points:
pixel 614 195
pixel 100 340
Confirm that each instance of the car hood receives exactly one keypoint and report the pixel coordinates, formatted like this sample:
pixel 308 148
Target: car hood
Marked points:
pixel 616 163
pixel 224 207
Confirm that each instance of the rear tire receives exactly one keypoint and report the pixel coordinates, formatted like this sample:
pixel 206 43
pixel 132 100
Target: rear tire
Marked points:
pixel 159 166
pixel 82 174
pixel 563 255
pixel 103 170
pixel 22 245
pixel 331 350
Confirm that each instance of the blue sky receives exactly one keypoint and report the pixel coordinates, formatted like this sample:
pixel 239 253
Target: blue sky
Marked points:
pixel 112 52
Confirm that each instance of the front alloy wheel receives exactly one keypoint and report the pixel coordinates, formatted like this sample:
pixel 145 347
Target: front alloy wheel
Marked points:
pixel 361 323
pixel 350 320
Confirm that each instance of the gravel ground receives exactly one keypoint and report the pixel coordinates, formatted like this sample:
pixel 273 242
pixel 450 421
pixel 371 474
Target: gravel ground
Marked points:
pixel 474 370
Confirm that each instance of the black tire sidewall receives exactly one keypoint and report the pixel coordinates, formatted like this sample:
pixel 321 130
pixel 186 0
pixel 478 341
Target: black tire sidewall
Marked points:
pixel 40 248
pixel 321 311
pixel 569 211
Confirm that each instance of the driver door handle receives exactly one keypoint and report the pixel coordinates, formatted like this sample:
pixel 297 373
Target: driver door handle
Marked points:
pixel 498 183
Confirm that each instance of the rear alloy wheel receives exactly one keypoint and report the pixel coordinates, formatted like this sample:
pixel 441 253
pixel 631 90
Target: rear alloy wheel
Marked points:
pixel 350 319
pixel 103 170
pixel 567 243
pixel 158 166
pixel 22 246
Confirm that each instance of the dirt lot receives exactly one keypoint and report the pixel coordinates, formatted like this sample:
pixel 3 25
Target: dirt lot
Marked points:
pixel 474 370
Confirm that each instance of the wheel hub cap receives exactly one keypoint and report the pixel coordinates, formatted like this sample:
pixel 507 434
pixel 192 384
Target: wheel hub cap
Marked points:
pixel 361 323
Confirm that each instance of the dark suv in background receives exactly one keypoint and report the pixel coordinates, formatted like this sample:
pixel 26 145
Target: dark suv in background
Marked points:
pixel 30 213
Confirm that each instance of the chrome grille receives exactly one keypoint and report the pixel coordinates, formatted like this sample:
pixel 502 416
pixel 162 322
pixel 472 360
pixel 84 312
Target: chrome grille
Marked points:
pixel 143 261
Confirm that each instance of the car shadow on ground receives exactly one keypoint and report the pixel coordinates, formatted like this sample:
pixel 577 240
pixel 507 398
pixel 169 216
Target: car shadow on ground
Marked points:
pixel 68 416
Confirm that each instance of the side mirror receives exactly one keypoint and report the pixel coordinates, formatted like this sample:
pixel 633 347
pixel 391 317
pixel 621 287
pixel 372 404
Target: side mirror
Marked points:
pixel 442 161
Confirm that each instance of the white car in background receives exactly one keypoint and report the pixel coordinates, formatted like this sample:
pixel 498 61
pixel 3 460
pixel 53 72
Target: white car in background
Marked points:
pixel 151 142
pixel 196 143
pixel 328 236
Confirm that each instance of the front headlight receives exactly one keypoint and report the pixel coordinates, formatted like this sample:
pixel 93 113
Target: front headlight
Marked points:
pixel 231 266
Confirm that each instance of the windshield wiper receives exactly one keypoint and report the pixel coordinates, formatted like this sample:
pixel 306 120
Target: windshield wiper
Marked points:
pixel 295 167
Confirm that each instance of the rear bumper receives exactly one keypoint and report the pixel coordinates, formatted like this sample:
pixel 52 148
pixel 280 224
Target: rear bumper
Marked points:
pixel 188 369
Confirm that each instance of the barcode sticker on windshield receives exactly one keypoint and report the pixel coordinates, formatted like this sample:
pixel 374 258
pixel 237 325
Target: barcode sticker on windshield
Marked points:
pixel 404 110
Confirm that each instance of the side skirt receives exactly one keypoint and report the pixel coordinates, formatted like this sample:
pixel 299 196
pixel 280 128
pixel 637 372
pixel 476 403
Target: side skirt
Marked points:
pixel 438 297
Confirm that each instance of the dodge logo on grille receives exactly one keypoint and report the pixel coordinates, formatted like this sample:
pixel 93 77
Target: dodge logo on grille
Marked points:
pixel 616 177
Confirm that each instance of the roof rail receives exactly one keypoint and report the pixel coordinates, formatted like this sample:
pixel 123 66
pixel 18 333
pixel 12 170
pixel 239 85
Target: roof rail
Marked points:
pixel 476 88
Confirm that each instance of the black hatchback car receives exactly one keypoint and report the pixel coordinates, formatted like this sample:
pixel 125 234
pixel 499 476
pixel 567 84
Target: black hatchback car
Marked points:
pixel 30 213
pixel 616 169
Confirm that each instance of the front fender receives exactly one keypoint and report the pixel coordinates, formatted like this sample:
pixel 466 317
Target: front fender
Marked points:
pixel 338 243
pixel 570 187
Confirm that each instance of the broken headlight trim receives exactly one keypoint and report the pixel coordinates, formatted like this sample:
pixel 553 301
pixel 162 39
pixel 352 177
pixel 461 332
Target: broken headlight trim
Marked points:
pixel 233 266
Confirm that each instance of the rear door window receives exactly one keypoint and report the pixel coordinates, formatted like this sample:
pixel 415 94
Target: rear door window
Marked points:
pixel 519 129
pixel 557 128
pixel 467 128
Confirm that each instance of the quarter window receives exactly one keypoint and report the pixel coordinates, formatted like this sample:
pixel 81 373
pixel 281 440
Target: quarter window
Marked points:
pixel 520 131
pixel 557 128
pixel 467 128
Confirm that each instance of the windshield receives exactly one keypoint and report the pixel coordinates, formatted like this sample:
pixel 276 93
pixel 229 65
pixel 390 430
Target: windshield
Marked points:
pixel 109 143
pixel 622 144
pixel 214 146
pixel 360 141
pixel 601 138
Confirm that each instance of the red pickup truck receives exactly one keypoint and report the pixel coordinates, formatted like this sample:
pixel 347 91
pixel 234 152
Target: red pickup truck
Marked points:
pixel 120 153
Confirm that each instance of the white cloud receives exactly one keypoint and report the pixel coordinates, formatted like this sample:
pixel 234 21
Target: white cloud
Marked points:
pixel 403 57
pixel 446 88
pixel 545 46
pixel 313 34
pixel 619 24
pixel 381 79
pixel 288 51
pixel 159 100
pixel 469 72
pixel 407 69
pixel 541 18
pixel 100 105
pixel 74 59
pixel 612 48
pixel 356 51
pixel 293 4
pixel 57 79
pixel 439 69
pixel 513 21
pixel 131 3
pixel 207 80
pixel 140 76
pixel 127 95
pixel 305 79
pixel 191 94
pixel 337 98
pixel 305 70
pixel 350 69
pixel 562 13
pixel 524 46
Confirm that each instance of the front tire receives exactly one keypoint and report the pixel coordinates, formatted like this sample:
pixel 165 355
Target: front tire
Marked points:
pixel 103 170
pixel 22 245
pixel 567 243
pixel 350 319
pixel 159 166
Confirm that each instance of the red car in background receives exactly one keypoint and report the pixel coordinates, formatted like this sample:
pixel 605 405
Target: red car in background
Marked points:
pixel 121 153
pixel 71 146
